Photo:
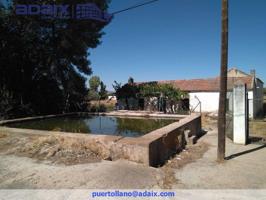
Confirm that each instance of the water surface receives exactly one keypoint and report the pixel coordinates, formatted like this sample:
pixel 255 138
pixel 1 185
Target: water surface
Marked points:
pixel 106 125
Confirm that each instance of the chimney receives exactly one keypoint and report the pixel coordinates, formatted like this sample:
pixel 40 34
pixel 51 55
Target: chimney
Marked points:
pixel 253 72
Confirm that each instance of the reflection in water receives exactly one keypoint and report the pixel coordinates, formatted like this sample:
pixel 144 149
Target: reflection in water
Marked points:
pixel 129 126
pixel 107 125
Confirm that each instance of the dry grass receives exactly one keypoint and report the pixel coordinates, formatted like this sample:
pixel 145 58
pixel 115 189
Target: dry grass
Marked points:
pixel 3 135
pixel 58 149
pixel 257 128
pixel 109 104
pixel 105 102
pixel 61 150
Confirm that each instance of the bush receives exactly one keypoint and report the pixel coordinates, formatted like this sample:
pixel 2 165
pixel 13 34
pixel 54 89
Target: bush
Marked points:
pixel 97 108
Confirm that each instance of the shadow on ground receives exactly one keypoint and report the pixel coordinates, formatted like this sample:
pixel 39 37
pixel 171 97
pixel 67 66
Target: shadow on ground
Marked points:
pixel 245 152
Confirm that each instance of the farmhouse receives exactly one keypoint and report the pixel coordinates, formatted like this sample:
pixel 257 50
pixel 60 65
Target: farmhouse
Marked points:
pixel 204 93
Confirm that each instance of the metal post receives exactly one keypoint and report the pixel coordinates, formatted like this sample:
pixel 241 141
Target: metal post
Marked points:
pixel 223 83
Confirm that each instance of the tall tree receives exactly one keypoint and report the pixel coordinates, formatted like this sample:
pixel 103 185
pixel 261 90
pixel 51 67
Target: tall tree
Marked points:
pixel 103 91
pixel 128 90
pixel 223 83
pixel 41 60
pixel 130 81
pixel 94 83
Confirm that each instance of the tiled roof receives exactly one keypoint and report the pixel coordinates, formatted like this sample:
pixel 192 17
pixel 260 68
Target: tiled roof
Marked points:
pixel 212 84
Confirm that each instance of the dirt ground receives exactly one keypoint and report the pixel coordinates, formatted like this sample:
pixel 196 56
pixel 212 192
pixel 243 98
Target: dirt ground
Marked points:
pixel 34 161
pixel 57 150
pixel 51 162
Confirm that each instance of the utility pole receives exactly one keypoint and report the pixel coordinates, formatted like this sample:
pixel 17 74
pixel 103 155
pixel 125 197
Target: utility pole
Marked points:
pixel 223 84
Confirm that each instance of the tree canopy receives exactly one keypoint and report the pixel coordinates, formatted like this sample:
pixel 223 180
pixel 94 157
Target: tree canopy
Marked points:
pixel 166 91
pixel 97 89
pixel 151 89
pixel 94 83
pixel 146 90
pixel 103 92
pixel 42 60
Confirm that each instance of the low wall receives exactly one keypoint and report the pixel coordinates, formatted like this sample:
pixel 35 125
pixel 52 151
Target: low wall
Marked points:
pixel 4 122
pixel 156 147
pixel 152 149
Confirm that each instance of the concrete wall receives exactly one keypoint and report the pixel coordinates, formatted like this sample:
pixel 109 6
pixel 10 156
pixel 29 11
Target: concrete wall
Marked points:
pixel 151 149
pixel 209 101
pixel 230 101
pixel 240 117
pixel 255 102
pixel 172 141
pixel 155 148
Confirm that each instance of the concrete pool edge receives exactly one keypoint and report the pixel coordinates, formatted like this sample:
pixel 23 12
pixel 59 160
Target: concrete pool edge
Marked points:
pixel 156 147
pixel 151 149
pixel 113 113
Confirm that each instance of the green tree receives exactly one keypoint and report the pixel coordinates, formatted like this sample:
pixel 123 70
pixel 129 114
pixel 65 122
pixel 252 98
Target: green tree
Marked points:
pixel 94 83
pixel 41 60
pixel 152 89
pixel 103 91
pixel 129 90
pixel 116 86
pixel 130 81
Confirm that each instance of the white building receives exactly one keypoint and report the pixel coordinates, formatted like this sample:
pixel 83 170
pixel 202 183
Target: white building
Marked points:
pixel 204 93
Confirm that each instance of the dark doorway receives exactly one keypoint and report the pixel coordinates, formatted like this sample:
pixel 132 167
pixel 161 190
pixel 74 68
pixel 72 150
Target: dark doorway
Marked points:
pixel 185 104
pixel 141 104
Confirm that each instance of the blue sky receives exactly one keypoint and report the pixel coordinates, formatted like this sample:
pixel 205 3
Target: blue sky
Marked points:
pixel 179 39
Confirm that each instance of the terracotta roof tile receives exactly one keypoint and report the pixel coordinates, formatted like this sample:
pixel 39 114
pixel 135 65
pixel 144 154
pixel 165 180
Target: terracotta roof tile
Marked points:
pixel 212 84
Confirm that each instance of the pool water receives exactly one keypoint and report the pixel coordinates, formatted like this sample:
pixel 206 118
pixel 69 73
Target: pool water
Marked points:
pixel 105 125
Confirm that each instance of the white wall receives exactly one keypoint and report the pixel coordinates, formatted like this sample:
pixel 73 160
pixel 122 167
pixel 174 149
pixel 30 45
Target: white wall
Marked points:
pixel 250 104
pixel 240 132
pixel 209 101
pixel 112 98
